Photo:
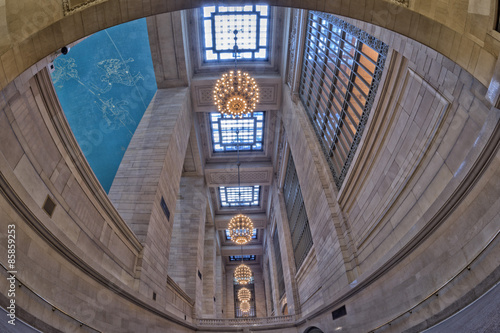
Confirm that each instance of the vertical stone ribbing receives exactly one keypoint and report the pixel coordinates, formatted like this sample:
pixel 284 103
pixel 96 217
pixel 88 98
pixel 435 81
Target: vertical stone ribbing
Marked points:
pixel 273 284
pixel 219 287
pixel 260 298
pixel 188 240
pixel 151 169
pixel 267 289
pixel 286 247
pixel 209 273
pixel 229 293
pixel 321 206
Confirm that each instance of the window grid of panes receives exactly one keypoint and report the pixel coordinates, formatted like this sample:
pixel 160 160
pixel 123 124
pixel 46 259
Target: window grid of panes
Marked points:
pixel 252 23
pixel 337 88
pixel 243 196
pixel 296 213
pixel 237 311
pixel 279 266
pixel 254 234
pixel 250 135
pixel 250 257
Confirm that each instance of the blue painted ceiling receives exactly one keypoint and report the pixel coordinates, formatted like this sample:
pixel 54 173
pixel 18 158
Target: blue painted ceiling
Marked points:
pixel 104 85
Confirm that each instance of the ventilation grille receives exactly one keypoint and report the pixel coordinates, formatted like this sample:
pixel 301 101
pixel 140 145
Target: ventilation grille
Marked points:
pixel 340 312
pixel 49 206
pixel 165 208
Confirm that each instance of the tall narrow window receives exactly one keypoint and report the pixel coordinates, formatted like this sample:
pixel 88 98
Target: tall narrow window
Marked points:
pixel 252 23
pixel 237 311
pixel 340 76
pixel 296 213
pixel 279 266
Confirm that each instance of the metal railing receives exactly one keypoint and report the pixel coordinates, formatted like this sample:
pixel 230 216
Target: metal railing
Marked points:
pixel 232 322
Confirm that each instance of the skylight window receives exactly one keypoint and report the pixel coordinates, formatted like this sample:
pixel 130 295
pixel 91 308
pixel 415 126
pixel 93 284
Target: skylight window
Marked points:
pixel 250 136
pixel 254 234
pixel 243 196
pixel 252 23
pixel 245 258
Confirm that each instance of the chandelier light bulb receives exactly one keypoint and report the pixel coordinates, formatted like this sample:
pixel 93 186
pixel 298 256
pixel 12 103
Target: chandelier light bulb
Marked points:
pixel 236 94
pixel 244 295
pixel 240 229
pixel 243 274
pixel 245 306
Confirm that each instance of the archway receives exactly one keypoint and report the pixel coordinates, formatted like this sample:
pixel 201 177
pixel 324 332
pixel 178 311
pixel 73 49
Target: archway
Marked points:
pixel 313 330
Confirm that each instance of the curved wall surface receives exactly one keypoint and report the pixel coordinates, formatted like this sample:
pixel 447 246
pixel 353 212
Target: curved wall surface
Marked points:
pixel 411 237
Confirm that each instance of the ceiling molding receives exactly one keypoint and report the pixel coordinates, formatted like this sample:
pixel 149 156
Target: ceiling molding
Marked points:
pixel 226 174
pixel 269 87
pixel 259 221
pixel 233 250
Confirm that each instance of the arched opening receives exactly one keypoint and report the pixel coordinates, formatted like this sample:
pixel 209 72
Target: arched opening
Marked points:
pixel 313 330
pixel 284 310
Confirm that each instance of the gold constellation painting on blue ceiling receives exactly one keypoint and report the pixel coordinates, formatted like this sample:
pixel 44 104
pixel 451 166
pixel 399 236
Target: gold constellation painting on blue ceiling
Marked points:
pixel 114 114
pixel 104 85
pixel 117 72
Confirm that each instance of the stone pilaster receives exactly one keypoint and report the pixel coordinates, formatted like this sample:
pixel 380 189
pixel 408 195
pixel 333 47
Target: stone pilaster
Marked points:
pixel 286 247
pixel 209 274
pixel 219 286
pixel 150 170
pixel 185 264
pixel 273 285
pixel 324 214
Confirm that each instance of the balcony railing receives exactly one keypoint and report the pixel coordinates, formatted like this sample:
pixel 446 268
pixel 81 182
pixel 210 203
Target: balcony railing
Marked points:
pixel 254 321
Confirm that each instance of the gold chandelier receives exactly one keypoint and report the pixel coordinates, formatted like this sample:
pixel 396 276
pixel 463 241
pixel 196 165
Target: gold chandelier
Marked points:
pixel 240 229
pixel 236 93
pixel 244 306
pixel 243 274
pixel 244 295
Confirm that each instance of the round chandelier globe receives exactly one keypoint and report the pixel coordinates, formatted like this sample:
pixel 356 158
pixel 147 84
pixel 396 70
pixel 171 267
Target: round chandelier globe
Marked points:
pixel 245 306
pixel 244 295
pixel 240 229
pixel 236 94
pixel 243 274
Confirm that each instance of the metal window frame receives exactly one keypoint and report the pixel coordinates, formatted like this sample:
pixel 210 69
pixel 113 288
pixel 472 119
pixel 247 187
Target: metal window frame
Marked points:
pixel 254 234
pixel 297 216
pixel 257 37
pixel 279 264
pixel 255 193
pixel 232 147
pixel 246 257
pixel 324 30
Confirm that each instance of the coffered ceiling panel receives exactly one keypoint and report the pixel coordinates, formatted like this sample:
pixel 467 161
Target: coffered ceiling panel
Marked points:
pixel 269 86
pixel 226 174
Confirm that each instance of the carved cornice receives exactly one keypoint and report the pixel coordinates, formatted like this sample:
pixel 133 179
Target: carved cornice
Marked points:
pixel 43 232
pixel 178 290
pixel 72 6
pixel 483 160
pixel 70 145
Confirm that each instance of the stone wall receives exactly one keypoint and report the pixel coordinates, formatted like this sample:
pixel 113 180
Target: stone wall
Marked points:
pixel 187 249
pixel 406 198
pixel 149 172
pixel 83 258
pixel 210 273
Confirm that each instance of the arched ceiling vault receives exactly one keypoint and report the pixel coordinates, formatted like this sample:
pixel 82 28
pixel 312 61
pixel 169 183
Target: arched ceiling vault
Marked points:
pixel 30 35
